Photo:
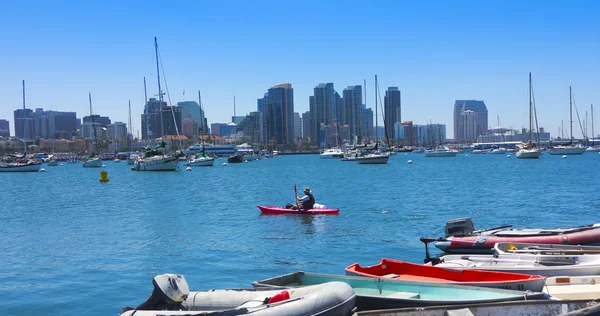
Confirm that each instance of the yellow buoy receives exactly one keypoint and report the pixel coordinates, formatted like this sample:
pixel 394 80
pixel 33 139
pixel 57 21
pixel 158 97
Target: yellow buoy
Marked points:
pixel 103 176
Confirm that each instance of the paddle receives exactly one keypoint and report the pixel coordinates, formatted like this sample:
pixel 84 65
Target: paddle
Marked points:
pixel 296 197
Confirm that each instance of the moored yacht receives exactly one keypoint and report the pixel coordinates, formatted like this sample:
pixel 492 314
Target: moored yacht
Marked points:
pixel 332 153
pixel 441 151
pixel 373 159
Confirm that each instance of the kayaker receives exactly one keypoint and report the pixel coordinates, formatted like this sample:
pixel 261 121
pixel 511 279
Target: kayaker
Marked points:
pixel 307 201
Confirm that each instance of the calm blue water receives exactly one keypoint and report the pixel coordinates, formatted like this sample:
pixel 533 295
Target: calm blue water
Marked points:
pixel 72 245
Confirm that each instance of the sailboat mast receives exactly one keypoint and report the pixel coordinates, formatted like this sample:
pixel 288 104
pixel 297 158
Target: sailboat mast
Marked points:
pixel 202 118
pixel 130 135
pixel 376 114
pixel 147 110
pixel 368 132
pixel 93 124
pixel 593 135
pixel 571 113
pixel 160 98
pixel 24 122
pixel 530 110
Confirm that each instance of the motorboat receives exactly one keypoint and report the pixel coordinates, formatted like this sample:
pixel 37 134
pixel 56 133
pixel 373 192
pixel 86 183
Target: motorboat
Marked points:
pixel 402 270
pixel 156 163
pixel 567 150
pixel 171 296
pixel 332 153
pixel 441 151
pixel 498 151
pixel 92 162
pixel 461 236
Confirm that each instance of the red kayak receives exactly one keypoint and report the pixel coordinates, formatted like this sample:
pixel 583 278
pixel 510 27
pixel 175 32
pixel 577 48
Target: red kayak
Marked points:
pixel 282 210
pixel 406 271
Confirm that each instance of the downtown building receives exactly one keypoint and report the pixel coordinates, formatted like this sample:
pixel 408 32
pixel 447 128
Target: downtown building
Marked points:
pixel 4 128
pixel 392 110
pixel 354 113
pixel 323 108
pixel 278 115
pixel 170 124
pixel 45 124
pixel 470 120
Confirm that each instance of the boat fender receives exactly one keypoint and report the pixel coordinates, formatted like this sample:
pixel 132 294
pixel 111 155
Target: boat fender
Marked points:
pixel 281 296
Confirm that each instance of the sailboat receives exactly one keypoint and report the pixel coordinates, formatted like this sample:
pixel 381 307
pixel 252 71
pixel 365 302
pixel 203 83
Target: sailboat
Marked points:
pixel 499 150
pixel 374 158
pixel 21 163
pixel 237 156
pixel 156 159
pixel 52 162
pixel 201 159
pixel 93 161
pixel 568 149
pixel 529 150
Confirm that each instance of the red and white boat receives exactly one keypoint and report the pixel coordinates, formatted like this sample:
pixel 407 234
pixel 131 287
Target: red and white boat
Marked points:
pixel 463 239
pixel 282 210
pixel 406 271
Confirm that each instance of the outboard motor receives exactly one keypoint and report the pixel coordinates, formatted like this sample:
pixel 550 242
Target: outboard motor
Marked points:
pixel 170 291
pixel 459 227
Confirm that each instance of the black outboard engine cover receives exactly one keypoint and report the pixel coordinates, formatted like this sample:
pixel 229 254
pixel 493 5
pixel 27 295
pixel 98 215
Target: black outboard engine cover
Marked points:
pixel 170 291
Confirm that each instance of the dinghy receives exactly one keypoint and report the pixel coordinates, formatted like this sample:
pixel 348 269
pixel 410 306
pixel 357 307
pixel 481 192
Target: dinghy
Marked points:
pixel 373 293
pixel 461 237
pixel 406 271
pixel 171 296
pixel 282 210
pixel 543 265
pixel 507 248
pixel 521 308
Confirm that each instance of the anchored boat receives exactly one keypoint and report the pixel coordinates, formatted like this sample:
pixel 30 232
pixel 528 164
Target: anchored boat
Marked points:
pixel 406 271
pixel 282 210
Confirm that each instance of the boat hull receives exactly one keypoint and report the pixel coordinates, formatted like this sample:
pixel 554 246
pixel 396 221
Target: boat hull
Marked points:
pixel 401 270
pixel 202 162
pixel 567 151
pixel 281 210
pixel 528 154
pixel 94 163
pixel 34 167
pixel 373 160
pixel 485 243
pixel 157 164
pixel 235 159
pixel 440 154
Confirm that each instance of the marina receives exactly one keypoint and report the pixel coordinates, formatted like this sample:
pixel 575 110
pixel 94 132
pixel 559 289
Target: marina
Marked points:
pixel 205 223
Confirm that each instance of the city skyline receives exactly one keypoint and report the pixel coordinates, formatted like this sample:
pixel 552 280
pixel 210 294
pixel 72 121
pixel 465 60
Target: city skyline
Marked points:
pixel 434 54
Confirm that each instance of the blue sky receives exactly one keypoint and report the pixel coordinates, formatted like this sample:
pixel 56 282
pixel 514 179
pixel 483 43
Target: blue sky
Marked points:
pixel 435 52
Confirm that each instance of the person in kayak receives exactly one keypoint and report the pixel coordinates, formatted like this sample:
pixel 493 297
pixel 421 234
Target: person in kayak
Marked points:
pixel 307 201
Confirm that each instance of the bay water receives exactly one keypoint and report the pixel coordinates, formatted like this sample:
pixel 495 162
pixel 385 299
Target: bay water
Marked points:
pixel 72 245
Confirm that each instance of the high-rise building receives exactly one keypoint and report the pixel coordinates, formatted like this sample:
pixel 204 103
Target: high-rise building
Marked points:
pixel 306 116
pixel 481 127
pixel 278 108
pixel 323 109
pixel 297 127
pixel 369 126
pixel 251 127
pixel 392 110
pixel 190 127
pixel 171 119
pixel 191 109
pixel 62 124
pixel 469 123
pixel 4 128
pixel 354 111
pixel 87 131
pixel 104 121
pixel 116 130
pixel 259 105
pixel 21 117
pixel 151 118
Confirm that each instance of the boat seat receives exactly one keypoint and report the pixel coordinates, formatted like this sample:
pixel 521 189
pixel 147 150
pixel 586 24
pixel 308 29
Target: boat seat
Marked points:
pixel 404 295
pixel 459 312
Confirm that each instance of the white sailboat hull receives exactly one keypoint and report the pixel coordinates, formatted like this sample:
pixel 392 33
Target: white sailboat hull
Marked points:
pixel 528 153
pixel 20 167
pixel 164 163
pixel 440 154
pixel 570 150
pixel 94 163
pixel 201 162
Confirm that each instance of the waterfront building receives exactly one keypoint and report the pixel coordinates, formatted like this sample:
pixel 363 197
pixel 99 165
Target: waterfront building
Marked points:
pixel 4 128
pixel 369 126
pixel 190 127
pixel 508 135
pixel 392 110
pixel 323 109
pixel 352 100
pixel 171 121
pixel 333 135
pixel 476 108
pixel 191 109
pixel 61 124
pixel 306 124
pixel 297 127
pixel 152 117
pixel 88 133
pixel 20 115
pixel 237 119
pixel 116 130
pixel 278 114
pixel 259 105
pixel 251 127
